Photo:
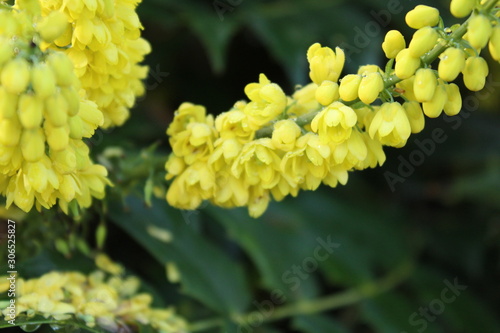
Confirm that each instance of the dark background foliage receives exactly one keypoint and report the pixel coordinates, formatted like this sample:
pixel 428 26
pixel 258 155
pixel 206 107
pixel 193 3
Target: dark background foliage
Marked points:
pixel 398 239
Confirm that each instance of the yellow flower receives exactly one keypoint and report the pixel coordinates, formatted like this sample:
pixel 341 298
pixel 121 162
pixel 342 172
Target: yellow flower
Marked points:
pixel 307 164
pixel 234 124
pixel 267 102
pixel 285 134
pixel 104 262
pixel 422 16
pixel 195 143
pixel 43 119
pixel 390 125
pixel 304 100
pixel 334 123
pixel 258 164
pixel 393 43
pixel 192 186
pixel 350 153
pixel 325 64
pixel 105 46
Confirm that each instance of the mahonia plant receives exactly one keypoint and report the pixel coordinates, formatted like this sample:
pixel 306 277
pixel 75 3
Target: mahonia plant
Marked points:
pixel 66 68
pixel 275 145
pixel 106 298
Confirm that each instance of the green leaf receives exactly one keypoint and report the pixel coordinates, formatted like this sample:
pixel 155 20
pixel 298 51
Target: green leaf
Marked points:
pixel 389 313
pixel 207 274
pixel 32 324
pixel 318 324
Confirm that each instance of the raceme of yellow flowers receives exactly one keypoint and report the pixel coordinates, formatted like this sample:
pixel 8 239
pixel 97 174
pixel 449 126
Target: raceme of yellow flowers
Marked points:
pixel 275 145
pixel 51 97
pixel 106 298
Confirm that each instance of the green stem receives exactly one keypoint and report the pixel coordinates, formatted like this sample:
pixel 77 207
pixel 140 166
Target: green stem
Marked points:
pixel 331 302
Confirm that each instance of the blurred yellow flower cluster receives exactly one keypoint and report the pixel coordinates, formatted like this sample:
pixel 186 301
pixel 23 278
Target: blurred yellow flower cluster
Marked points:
pixel 106 47
pixel 44 116
pixel 275 145
pixel 104 298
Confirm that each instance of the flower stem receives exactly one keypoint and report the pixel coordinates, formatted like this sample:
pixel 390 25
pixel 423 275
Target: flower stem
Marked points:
pixel 330 302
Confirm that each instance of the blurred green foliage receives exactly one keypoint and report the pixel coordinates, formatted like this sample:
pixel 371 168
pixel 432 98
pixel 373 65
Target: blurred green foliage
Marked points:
pixel 397 248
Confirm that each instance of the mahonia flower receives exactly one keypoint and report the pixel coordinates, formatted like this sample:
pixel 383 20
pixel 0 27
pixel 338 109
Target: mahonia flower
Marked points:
pixel 105 298
pixel 275 145
pixel 102 38
pixel 334 124
pixel 44 116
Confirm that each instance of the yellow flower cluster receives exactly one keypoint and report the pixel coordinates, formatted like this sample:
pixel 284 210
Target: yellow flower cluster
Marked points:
pixel 43 118
pixel 221 160
pixel 103 39
pixel 275 145
pixel 104 298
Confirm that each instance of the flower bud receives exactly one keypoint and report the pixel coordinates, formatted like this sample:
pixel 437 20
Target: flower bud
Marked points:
pixel 6 51
pixel 90 113
pixel 37 175
pixel 474 73
pixel 494 44
pixel 43 80
pixel 393 43
pixel 10 132
pixel 454 103
pixel 73 99
pixel 62 67
pixel 8 104
pixel 16 76
pixel 424 85
pixel 327 92
pixel 423 41
pixel 370 87
pixel 75 127
pixel 462 8
pixel 415 116
pixel 433 108
pixel 422 16
pixel 56 110
pixel 451 64
pixel 33 144
pixel 30 111
pixel 479 31
pixel 64 161
pixel 349 86
pixel 109 9
pixel 57 137
pixel 367 69
pixel 52 26
pixel 406 64
pixel 285 134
